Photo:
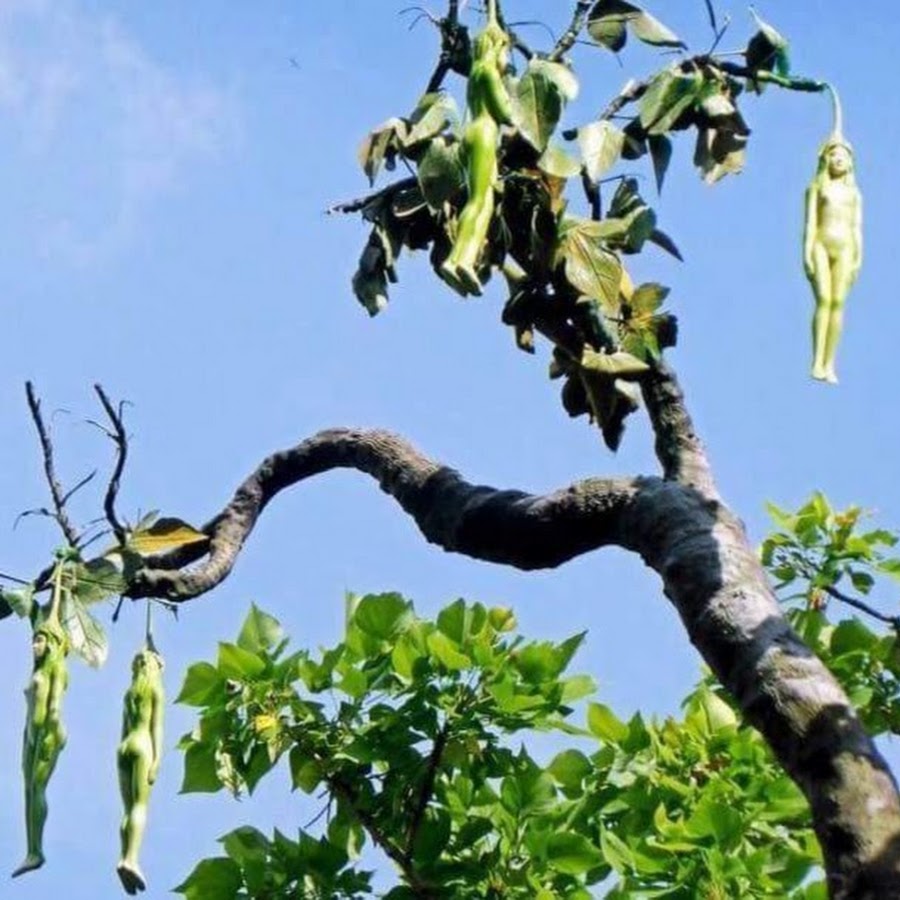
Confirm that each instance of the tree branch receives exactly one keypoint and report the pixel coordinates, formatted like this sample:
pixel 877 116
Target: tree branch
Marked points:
pixel 427 789
pixel 567 41
pixel 893 621
pixel 511 527
pixel 709 572
pixel 56 492
pixel 120 439
pixel 678 448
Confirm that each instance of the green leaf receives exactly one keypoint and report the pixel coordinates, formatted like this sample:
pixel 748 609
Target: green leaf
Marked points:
pixel 218 878
pixel 432 115
pixel 381 146
pixel 647 298
pixel 572 854
pixel 381 615
pixel 577 687
pixel 538 106
pixel 669 95
pixel 556 162
pixel 245 844
pixel 767 50
pixel 661 153
pixel 621 364
pixel 652 31
pixel 97 580
pixel 441 173
pixel 559 74
pixel 605 724
pixel 86 635
pixel 447 652
pixel 608 19
pixel 432 837
pixel 590 268
pixel 606 27
pixel 306 773
pixel 260 631
pixel 202 684
pixel 238 663
pixel 20 601
pixel 662 240
pixel 570 768
pixel 371 277
pixel 616 852
pixel 851 635
pixel 601 146
pixel 201 769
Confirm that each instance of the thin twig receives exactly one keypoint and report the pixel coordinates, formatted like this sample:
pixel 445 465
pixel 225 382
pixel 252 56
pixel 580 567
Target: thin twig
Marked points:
pixel 72 491
pixel 720 34
pixel 712 17
pixel 5 577
pixel 893 621
pixel 120 438
pixel 567 41
pixel 56 492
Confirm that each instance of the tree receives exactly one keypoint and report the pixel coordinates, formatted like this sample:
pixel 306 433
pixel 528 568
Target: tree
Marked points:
pixel 677 523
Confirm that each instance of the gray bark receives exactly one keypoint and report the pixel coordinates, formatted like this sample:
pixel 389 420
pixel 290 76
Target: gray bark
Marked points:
pixel 679 526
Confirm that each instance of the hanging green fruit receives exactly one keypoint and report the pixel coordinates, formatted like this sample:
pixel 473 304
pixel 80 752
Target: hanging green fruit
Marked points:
pixel 138 758
pixel 490 107
pixel 45 736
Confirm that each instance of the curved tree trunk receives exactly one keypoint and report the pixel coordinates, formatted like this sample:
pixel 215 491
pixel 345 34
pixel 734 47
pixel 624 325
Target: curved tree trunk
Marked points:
pixel 681 529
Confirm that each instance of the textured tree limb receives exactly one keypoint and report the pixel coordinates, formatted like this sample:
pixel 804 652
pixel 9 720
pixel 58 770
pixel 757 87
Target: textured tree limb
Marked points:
pixel 511 527
pixel 709 572
pixel 678 448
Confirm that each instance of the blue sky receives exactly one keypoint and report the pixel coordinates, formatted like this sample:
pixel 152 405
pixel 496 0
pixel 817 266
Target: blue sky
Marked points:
pixel 165 171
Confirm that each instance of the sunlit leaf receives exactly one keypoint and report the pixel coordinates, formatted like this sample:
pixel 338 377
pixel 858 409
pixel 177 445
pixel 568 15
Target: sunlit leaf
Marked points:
pixel 601 145
pixel 86 635
pixel 164 534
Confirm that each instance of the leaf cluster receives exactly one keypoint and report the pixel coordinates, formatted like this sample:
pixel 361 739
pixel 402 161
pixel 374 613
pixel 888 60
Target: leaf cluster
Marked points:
pixel 415 753
pixel 820 559
pixel 565 276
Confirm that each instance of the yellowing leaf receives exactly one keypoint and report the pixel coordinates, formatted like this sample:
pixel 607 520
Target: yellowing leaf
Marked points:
pixel 164 534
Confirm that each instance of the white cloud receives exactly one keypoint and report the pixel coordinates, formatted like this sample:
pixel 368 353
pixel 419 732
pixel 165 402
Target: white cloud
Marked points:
pixel 88 106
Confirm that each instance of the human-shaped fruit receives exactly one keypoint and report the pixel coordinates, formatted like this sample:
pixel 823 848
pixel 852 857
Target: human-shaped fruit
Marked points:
pixel 138 759
pixel 832 248
pixel 489 107
pixel 44 736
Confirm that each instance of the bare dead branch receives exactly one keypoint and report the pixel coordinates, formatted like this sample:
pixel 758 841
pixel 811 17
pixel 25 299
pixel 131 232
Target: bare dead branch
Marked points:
pixel 711 12
pixel 568 39
pixel 56 492
pixel 72 491
pixel 120 439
